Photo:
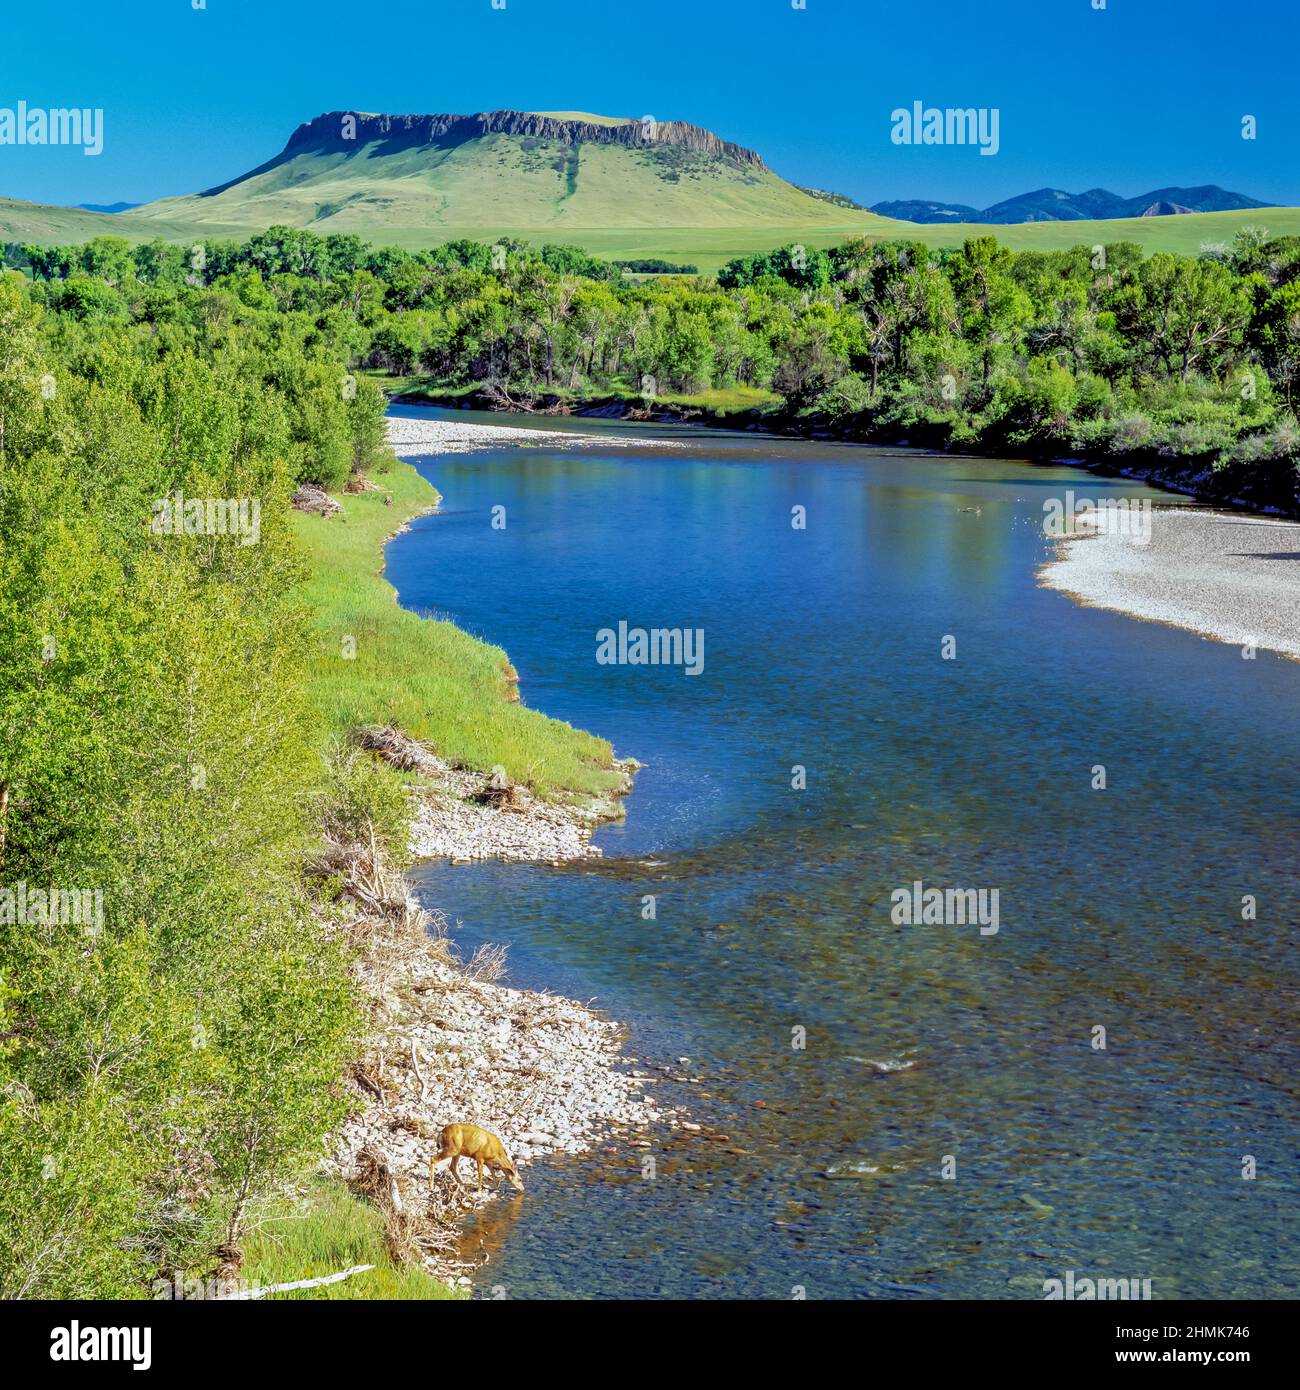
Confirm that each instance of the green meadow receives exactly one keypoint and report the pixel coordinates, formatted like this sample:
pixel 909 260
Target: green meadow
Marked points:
pixel 709 247
pixel 712 247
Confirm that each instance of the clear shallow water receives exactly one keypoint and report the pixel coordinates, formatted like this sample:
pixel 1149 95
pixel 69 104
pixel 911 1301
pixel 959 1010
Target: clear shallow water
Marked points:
pixel 1118 907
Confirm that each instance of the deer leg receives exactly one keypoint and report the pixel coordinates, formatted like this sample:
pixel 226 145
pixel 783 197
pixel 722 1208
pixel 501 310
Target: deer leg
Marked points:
pixel 479 1161
pixel 449 1158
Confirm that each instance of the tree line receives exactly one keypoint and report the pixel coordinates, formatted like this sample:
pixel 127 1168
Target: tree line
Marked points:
pixel 1095 348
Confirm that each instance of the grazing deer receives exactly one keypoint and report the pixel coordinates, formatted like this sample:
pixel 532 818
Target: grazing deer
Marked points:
pixel 469 1141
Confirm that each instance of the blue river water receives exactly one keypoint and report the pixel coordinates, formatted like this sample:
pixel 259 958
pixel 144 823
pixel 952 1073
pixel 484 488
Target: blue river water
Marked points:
pixel 909 1110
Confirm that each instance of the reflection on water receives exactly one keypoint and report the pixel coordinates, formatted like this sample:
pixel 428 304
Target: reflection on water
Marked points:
pixel 483 1233
pixel 927 1049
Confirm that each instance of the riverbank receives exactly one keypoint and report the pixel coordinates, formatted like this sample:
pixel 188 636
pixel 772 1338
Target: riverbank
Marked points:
pixel 1232 578
pixel 449 1044
pixel 1268 487
pixel 376 664
pixel 485 777
pixel 461 817
pixel 420 437
pixel 482 808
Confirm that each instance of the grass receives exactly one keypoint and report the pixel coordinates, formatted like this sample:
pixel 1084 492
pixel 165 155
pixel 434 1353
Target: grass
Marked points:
pixel 1184 233
pixel 428 677
pixel 729 400
pixel 712 247
pixel 708 247
pixel 330 1232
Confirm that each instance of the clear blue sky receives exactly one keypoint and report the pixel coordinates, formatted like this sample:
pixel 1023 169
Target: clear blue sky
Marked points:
pixel 1142 94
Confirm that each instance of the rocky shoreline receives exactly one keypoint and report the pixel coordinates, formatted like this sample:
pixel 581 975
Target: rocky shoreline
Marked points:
pixel 1229 577
pixel 546 1074
pixel 446 1042
pixel 462 817
pixel 416 438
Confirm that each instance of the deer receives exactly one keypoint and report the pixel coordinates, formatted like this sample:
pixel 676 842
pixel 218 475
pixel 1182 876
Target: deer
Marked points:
pixel 469 1141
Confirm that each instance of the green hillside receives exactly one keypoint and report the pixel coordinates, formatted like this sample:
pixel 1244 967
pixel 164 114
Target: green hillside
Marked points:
pixel 49 226
pixel 612 185
pixel 576 172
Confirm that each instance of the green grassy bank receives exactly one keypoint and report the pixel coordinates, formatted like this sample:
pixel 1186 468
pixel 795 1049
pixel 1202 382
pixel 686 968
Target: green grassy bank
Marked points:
pixel 326 1232
pixel 715 402
pixel 427 677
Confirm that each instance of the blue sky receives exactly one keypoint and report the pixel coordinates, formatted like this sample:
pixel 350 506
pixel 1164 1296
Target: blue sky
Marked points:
pixel 1138 95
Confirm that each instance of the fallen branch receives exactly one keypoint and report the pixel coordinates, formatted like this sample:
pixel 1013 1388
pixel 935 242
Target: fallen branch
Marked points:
pixel 297 1284
pixel 419 1075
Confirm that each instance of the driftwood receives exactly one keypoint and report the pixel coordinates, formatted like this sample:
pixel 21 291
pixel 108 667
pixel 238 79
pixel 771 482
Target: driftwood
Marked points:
pixel 310 498
pixel 393 746
pixel 496 394
pixel 503 796
pixel 501 399
pixel 414 1223
pixel 297 1284
pixel 419 1075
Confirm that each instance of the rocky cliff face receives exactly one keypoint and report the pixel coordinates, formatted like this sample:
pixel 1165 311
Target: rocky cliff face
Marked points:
pixel 349 129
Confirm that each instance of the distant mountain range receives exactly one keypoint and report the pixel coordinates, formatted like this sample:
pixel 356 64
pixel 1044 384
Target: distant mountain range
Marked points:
pixel 624 188
pixel 1055 205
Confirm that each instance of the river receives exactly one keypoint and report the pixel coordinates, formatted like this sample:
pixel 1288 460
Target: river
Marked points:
pixel 910 1110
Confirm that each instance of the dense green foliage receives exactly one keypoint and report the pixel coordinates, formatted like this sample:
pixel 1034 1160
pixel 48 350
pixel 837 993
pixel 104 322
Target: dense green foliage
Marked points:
pixel 1091 348
pixel 655 265
pixel 175 1022
pixel 174 721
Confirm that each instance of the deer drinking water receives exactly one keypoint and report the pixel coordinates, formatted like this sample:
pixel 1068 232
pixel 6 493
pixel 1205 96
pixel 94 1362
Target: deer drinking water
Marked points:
pixel 469 1141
